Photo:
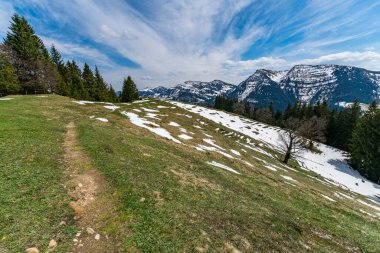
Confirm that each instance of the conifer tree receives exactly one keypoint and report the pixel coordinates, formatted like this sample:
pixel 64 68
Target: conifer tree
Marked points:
pixel 101 87
pixel 30 58
pixel 89 82
pixel 365 146
pixel 129 92
pixel 75 82
pixel 23 40
pixel 8 78
pixel 112 94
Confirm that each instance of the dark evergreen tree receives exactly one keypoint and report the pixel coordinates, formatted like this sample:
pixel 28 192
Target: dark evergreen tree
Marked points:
pixel 23 40
pixel 112 94
pixel 129 92
pixel 30 58
pixel 8 79
pixel 75 82
pixel 365 146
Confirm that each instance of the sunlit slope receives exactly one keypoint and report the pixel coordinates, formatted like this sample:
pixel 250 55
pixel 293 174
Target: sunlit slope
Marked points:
pixel 189 183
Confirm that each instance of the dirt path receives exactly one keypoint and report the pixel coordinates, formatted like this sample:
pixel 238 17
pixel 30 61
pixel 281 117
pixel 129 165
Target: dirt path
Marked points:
pixel 93 201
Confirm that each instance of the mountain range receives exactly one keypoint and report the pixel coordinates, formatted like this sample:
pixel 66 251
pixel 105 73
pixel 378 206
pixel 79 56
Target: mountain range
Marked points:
pixel 304 83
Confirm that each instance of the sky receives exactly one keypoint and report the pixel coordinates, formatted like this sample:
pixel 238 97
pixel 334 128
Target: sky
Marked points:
pixel 167 42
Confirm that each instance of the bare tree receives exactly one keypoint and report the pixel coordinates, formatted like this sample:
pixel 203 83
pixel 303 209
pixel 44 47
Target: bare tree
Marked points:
pixel 238 108
pixel 313 130
pixel 264 115
pixel 290 141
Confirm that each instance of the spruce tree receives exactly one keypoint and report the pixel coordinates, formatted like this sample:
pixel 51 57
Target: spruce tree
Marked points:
pixel 365 146
pixel 112 94
pixel 89 82
pixel 23 40
pixel 101 87
pixel 75 82
pixel 8 79
pixel 129 92
pixel 30 58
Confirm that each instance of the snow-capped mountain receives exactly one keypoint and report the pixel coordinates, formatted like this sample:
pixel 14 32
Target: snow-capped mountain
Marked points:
pixel 261 88
pixel 191 91
pixel 310 84
pixel 305 83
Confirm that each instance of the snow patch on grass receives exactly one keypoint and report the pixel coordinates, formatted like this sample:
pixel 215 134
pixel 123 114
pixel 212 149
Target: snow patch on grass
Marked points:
pixel 84 102
pixel 112 107
pixel 270 167
pixel 171 123
pixel 135 119
pixel 222 166
pixel 5 99
pixel 212 143
pixel 185 137
pixel 328 198
pixel 288 178
pixel 149 110
pixel 152 116
pixel 102 119
pixel 140 101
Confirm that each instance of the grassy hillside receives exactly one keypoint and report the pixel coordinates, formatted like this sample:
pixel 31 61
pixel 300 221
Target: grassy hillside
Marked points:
pixel 170 198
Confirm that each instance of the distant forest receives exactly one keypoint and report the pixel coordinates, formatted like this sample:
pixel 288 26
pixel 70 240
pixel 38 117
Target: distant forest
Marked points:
pixel 28 67
pixel 349 129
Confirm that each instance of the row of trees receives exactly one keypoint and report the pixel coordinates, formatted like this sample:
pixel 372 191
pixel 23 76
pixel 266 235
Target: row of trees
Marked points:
pixel 27 67
pixel 347 129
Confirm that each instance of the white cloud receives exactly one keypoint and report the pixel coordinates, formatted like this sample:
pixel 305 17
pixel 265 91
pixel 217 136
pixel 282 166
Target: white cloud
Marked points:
pixel 174 41
pixel 365 59
pixel 75 51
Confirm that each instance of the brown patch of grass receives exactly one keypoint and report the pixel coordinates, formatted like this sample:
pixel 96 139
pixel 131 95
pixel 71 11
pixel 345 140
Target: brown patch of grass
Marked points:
pixel 187 178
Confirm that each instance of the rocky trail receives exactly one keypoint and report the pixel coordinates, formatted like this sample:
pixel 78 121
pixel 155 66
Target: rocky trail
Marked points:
pixel 92 199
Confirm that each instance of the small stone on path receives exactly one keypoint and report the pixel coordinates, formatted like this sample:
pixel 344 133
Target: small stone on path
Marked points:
pixel 90 231
pixel 32 250
pixel 52 244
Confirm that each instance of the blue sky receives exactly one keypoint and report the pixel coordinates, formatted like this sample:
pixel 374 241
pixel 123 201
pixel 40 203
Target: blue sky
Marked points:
pixel 166 42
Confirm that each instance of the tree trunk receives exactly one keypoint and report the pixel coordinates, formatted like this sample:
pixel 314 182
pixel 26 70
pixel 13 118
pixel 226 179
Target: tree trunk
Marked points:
pixel 287 156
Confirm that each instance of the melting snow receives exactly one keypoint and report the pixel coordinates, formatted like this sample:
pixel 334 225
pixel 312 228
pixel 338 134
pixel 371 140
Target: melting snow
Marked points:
pixel 185 137
pixel 235 152
pixel 328 198
pixel 270 167
pixel 140 101
pixel 329 164
pixel 288 178
pixel 112 107
pixel 137 110
pixel 366 204
pixel 135 119
pixel 212 142
pixel 149 110
pixel 219 165
pixel 171 123
pixel 102 119
pixel 83 102
pixel 152 116
pixel 5 99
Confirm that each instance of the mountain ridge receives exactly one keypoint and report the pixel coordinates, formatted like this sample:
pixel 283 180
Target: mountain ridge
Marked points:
pixel 304 83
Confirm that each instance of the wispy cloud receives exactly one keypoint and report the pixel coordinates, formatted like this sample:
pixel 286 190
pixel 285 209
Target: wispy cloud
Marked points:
pixel 164 42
